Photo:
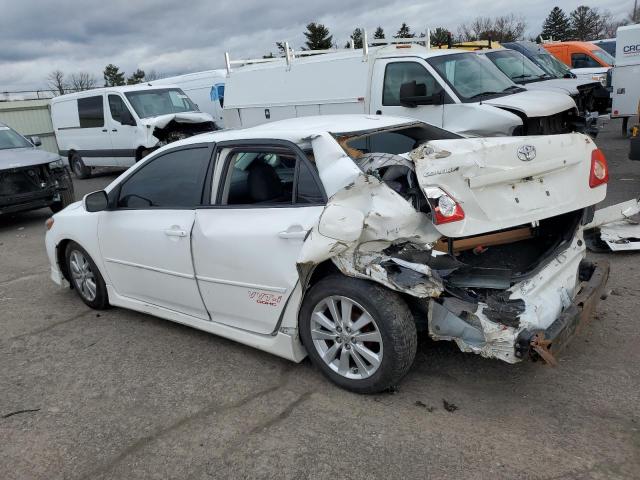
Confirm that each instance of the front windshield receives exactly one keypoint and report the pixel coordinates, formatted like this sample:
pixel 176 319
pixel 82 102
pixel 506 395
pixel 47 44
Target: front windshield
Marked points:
pixel 552 65
pixel 516 66
pixel 11 139
pixel 152 103
pixel 604 56
pixel 472 76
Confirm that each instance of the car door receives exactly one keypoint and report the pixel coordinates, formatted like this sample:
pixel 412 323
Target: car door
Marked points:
pixel 123 130
pixel 245 246
pixel 388 77
pixel 145 238
pixel 92 140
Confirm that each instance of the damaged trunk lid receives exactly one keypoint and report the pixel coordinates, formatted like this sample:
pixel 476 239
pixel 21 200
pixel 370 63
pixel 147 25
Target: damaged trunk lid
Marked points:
pixel 505 182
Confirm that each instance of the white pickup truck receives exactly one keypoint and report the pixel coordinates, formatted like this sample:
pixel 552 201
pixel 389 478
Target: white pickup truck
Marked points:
pixel 457 90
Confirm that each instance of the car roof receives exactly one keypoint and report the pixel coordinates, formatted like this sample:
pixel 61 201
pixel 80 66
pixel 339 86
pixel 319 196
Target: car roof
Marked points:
pixel 300 129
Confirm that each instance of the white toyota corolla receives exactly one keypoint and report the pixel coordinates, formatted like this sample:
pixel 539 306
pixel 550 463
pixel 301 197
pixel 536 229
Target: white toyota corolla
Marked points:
pixel 340 237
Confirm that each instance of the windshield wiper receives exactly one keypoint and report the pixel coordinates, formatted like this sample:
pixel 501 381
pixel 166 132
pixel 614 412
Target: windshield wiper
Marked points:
pixel 483 94
pixel 513 87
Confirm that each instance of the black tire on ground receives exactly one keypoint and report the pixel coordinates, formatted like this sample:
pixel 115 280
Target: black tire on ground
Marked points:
pixel 625 126
pixel 79 168
pixel 101 300
pixel 392 317
pixel 67 196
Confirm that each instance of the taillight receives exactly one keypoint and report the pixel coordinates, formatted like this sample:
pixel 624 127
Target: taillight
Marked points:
pixel 444 207
pixel 599 174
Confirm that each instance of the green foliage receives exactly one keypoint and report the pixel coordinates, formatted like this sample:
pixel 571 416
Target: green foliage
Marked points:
pixel 356 36
pixel 585 23
pixel 404 32
pixel 318 37
pixel 137 77
pixel 113 76
pixel 439 36
pixel 556 26
pixel 379 33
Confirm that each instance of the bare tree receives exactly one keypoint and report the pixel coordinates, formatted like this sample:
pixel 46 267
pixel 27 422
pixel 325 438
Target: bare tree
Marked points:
pixel 505 28
pixel 56 82
pixel 83 81
pixel 152 75
pixel 609 25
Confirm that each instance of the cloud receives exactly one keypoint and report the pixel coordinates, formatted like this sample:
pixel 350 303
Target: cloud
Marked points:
pixel 176 37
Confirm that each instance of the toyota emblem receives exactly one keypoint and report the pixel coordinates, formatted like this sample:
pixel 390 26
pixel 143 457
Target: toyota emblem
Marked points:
pixel 526 153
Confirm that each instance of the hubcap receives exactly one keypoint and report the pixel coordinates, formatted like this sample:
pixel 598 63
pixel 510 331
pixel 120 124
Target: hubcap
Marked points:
pixel 346 337
pixel 83 277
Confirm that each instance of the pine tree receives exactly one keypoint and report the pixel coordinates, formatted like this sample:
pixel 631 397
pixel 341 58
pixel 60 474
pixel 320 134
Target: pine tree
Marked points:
pixel 404 32
pixel 556 25
pixel 585 23
pixel 356 36
pixel 318 37
pixel 113 76
pixel 439 37
pixel 379 33
pixel 137 77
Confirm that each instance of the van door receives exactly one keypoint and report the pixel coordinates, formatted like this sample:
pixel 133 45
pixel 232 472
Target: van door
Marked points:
pixel 91 139
pixel 390 74
pixel 124 131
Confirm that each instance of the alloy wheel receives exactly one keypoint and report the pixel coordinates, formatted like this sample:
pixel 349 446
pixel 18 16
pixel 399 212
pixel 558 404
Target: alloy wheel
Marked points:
pixel 346 337
pixel 83 276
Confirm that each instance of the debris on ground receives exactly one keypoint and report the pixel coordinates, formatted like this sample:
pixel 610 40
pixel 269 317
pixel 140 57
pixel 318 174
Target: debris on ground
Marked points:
pixel 615 228
pixel 424 405
pixel 449 407
pixel 18 412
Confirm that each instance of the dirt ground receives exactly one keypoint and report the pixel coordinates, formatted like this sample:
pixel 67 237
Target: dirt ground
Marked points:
pixel 118 394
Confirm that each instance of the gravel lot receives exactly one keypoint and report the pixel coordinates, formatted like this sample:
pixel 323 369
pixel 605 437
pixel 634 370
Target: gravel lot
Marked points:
pixel 117 394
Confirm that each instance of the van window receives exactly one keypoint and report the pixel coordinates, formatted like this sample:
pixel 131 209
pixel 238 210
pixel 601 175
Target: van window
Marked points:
pixel 154 102
pixel 172 180
pixel 398 73
pixel 91 112
pixel 582 60
pixel 116 107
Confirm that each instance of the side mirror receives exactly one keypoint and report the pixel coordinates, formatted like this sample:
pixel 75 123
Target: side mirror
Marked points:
pixel 96 201
pixel 35 140
pixel 126 118
pixel 413 94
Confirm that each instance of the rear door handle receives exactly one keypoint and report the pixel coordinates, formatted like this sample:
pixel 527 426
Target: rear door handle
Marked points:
pixel 175 232
pixel 114 129
pixel 104 130
pixel 294 231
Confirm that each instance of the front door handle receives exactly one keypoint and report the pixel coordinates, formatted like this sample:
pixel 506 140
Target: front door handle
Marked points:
pixel 294 231
pixel 175 232
pixel 114 129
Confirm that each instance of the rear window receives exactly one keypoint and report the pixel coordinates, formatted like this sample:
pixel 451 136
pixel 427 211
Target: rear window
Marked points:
pixel 91 112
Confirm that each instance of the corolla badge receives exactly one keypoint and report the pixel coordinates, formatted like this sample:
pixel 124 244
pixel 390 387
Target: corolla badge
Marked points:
pixel 526 153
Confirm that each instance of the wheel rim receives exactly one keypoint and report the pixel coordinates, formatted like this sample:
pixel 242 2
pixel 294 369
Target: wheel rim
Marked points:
pixel 346 337
pixel 83 276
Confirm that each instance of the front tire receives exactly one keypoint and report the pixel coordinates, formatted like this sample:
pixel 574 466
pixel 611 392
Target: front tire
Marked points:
pixel 85 277
pixel 361 335
pixel 79 168
pixel 67 196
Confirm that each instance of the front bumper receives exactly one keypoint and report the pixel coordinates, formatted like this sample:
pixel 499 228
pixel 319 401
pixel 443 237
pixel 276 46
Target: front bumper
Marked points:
pixel 546 344
pixel 29 201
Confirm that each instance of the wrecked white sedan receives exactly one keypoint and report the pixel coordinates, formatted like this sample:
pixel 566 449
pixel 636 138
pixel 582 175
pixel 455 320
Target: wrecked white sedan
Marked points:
pixel 340 237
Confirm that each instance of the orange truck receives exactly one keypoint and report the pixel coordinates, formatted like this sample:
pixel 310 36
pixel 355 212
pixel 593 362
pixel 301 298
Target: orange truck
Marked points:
pixel 580 54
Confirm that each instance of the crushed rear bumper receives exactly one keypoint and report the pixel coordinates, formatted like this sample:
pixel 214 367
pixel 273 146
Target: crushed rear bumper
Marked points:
pixel 546 344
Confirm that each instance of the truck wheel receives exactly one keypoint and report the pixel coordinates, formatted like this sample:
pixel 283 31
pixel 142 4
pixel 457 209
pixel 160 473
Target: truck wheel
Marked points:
pixel 67 196
pixel 85 277
pixel 625 127
pixel 79 168
pixel 359 334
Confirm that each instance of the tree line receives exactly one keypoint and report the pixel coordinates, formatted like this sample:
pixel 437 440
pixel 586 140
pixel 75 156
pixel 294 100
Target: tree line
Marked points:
pixel 60 83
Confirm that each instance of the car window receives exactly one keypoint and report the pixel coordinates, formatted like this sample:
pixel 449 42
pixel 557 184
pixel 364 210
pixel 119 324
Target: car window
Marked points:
pixel 91 112
pixel 116 107
pixel 397 73
pixel 268 178
pixel 154 102
pixel 11 139
pixel 172 180
pixel 582 60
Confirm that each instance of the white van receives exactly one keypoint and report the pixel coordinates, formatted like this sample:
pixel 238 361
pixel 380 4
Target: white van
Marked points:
pixel 206 89
pixel 117 126
pixel 456 90
pixel 625 75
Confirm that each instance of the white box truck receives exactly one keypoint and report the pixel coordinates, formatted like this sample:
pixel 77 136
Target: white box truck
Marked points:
pixel 625 76
pixel 456 90
pixel 206 89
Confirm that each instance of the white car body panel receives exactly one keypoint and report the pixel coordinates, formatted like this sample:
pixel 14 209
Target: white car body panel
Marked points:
pixel 363 216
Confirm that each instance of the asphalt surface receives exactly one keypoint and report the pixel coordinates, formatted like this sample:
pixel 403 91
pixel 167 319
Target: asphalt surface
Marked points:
pixel 117 394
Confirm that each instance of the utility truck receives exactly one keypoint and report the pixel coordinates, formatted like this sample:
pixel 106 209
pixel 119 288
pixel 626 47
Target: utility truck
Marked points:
pixel 456 90
pixel 625 75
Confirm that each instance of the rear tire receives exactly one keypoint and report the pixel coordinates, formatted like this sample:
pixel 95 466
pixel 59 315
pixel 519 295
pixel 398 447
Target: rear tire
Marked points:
pixel 358 354
pixel 67 196
pixel 79 168
pixel 85 277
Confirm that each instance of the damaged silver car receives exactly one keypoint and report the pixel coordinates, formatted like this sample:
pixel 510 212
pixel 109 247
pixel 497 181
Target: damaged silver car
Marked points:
pixel 342 236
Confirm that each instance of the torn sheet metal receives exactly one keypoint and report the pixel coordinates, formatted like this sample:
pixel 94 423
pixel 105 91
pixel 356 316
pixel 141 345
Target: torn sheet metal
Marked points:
pixel 618 227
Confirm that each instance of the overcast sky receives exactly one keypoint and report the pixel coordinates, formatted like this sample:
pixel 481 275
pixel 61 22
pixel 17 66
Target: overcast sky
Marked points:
pixel 172 36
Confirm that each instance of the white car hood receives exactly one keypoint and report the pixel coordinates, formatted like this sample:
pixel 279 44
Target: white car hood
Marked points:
pixel 162 121
pixel 590 71
pixel 534 103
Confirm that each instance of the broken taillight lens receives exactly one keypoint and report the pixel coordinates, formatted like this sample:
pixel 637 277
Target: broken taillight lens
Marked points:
pixel 445 208
pixel 599 174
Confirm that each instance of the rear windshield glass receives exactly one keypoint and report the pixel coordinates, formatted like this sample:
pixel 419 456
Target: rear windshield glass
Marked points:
pixel 152 103
pixel 11 139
